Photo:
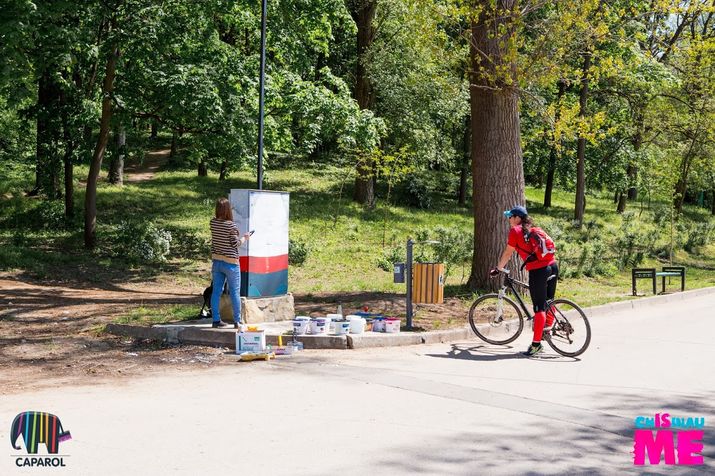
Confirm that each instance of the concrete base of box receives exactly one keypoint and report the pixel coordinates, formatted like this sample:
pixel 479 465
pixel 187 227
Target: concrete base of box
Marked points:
pixel 257 310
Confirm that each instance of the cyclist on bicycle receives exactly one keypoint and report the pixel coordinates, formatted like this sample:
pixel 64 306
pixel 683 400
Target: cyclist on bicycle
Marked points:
pixel 537 252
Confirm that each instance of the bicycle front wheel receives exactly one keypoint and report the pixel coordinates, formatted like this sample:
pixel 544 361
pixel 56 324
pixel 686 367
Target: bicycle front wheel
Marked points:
pixel 571 334
pixel 496 320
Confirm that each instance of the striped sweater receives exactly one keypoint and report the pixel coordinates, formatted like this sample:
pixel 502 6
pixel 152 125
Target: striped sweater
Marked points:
pixel 225 240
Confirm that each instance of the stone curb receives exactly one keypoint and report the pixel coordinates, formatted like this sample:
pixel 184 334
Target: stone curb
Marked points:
pixel 645 301
pixel 376 339
pixel 313 342
pixel 223 338
pixel 226 338
pixel 447 335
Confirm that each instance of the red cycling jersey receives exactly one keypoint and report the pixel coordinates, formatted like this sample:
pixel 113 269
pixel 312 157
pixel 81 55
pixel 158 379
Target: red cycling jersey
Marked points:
pixel 516 241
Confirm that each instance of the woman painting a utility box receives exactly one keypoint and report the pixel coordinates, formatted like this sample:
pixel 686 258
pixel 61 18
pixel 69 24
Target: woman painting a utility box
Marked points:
pixel 225 267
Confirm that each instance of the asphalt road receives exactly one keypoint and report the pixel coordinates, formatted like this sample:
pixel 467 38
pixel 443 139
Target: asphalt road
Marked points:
pixel 462 408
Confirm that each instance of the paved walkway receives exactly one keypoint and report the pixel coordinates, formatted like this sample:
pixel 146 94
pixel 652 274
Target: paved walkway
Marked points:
pixel 463 408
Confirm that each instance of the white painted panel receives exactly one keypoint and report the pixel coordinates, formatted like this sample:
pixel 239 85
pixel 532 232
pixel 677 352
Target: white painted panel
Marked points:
pixel 268 214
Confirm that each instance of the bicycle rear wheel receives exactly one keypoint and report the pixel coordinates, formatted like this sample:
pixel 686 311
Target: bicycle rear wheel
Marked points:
pixel 494 320
pixel 571 334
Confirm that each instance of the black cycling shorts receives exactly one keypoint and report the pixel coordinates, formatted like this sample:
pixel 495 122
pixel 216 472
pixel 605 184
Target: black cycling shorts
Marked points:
pixel 540 289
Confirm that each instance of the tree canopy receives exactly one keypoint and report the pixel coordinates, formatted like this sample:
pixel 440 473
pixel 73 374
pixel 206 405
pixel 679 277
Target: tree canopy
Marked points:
pixel 588 95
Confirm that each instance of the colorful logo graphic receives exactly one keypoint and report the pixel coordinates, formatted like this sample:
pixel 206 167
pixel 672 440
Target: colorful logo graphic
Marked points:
pixel 663 434
pixel 36 428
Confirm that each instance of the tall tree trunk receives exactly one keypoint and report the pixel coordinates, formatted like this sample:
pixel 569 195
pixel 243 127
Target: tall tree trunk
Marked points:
pixel 681 185
pixel 203 169
pixel 632 173
pixel 580 206
pixel 621 207
pixel 47 140
pixel 632 169
pixel 224 171
pixel 712 203
pixel 363 13
pixel 679 196
pixel 41 133
pixel 497 168
pixel 90 198
pixel 67 160
pixel 116 166
pixel 553 153
pixel 466 162
pixel 87 143
pixel 154 130
pixel 69 182
pixel 174 144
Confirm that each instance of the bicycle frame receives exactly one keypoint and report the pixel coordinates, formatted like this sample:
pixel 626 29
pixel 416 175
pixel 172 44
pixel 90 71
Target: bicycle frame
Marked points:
pixel 509 284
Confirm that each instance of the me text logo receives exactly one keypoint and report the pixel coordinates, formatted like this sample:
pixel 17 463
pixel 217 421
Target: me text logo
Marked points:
pixel 668 436
pixel 36 428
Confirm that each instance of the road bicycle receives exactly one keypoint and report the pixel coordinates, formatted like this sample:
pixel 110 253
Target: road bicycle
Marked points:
pixel 495 318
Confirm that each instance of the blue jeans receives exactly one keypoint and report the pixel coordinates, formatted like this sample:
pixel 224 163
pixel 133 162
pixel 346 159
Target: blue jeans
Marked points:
pixel 222 271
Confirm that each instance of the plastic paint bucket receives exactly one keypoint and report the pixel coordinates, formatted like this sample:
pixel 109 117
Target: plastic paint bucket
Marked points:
pixel 300 326
pixel 392 325
pixel 357 325
pixel 342 328
pixel 378 324
pixel 319 325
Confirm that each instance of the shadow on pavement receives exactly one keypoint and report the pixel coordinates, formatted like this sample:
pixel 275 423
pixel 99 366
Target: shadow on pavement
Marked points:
pixel 550 447
pixel 488 353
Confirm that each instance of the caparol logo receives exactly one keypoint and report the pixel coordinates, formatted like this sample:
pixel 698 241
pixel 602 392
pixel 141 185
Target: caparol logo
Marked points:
pixel 36 428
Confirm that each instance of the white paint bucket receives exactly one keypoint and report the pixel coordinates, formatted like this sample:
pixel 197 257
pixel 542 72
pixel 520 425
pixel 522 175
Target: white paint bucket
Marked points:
pixel 342 328
pixel 378 325
pixel 392 325
pixel 333 318
pixel 319 325
pixel 300 326
pixel 357 325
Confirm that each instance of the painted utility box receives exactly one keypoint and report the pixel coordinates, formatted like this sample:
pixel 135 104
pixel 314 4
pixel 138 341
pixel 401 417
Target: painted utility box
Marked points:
pixel 264 259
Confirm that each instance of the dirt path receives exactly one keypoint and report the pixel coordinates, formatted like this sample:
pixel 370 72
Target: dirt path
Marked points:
pixel 148 167
pixel 49 333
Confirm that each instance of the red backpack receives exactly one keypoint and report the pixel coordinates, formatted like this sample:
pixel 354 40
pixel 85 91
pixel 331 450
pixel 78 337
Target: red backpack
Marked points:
pixel 542 246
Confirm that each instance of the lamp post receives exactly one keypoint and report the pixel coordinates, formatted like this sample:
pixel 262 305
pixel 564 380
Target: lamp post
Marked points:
pixel 262 84
pixel 408 272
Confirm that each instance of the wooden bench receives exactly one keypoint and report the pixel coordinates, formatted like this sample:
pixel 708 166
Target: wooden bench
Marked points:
pixel 651 273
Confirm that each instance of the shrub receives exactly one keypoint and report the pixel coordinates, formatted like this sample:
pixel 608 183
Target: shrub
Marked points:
pixel 585 259
pixel 698 236
pixel 188 244
pixel 143 242
pixel 390 256
pixel 455 247
pixel 43 214
pixel 51 214
pixel 633 241
pixel 415 192
pixel 297 252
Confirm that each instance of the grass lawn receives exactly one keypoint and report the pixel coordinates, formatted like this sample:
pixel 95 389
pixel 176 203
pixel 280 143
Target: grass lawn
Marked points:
pixel 344 240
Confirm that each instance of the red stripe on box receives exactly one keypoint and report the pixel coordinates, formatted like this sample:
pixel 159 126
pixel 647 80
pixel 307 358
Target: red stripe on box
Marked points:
pixel 263 264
